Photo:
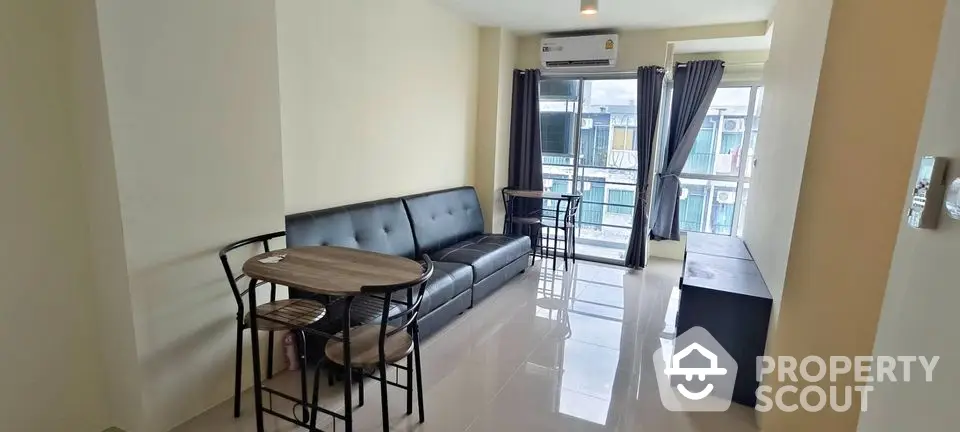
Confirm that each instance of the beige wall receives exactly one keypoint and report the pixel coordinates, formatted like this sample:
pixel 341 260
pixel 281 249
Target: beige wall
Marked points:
pixel 851 195
pixel 50 366
pixel 791 76
pixel 494 98
pixel 919 310
pixel 646 47
pixel 91 133
pixel 501 169
pixel 193 97
pixel 378 100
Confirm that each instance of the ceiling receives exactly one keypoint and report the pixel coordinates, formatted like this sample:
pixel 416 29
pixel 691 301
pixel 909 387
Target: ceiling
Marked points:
pixel 538 16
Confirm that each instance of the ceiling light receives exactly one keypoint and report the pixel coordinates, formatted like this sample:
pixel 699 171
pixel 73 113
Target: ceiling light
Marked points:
pixel 589 7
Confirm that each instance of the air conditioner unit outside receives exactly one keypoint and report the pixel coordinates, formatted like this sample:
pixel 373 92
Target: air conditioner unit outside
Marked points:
pixel 726 197
pixel 734 125
pixel 579 52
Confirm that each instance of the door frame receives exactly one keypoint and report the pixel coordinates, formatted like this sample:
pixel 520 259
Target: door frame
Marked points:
pixel 576 179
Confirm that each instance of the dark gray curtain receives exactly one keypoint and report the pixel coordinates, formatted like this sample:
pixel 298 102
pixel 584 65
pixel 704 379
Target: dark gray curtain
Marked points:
pixel 526 169
pixel 649 91
pixel 694 85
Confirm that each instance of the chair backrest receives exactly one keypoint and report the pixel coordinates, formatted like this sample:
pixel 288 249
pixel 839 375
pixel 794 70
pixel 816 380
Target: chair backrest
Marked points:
pixel 506 199
pixel 233 279
pixel 399 320
pixel 573 207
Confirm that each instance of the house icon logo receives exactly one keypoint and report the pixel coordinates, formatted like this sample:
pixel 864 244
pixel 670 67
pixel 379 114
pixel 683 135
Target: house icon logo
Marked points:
pixel 695 373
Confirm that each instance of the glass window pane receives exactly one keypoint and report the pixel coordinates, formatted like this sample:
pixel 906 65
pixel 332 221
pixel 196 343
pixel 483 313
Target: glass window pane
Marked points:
pixel 716 150
pixel 610 113
pixel 624 138
pixel 602 241
pixel 594 194
pixel 558 113
pixel 623 201
pixel 707 206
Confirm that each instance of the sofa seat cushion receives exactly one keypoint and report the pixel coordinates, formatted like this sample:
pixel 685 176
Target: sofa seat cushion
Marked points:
pixel 485 253
pixel 449 280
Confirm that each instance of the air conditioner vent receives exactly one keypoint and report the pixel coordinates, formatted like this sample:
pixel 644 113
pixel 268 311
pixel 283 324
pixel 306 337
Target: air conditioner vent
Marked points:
pixel 577 63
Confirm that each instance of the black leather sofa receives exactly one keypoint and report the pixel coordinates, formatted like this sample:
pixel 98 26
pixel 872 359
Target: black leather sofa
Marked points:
pixel 446 224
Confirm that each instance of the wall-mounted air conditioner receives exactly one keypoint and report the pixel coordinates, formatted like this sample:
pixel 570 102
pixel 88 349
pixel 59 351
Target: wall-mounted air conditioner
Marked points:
pixel 579 52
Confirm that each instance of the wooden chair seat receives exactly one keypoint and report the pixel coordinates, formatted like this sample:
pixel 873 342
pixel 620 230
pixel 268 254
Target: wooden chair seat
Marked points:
pixel 526 220
pixel 364 346
pixel 291 314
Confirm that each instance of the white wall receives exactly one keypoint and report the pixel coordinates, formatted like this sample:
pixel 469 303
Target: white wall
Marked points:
pixel 378 100
pixel 50 367
pixel 919 310
pixel 791 76
pixel 192 90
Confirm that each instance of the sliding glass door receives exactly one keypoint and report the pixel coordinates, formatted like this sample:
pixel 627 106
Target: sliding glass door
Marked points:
pixel 588 133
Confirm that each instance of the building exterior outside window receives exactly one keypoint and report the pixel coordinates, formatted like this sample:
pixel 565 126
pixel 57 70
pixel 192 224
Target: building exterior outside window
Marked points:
pixel 588 131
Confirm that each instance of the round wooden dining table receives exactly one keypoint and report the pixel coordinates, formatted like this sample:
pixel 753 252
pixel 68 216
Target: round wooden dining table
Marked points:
pixel 322 270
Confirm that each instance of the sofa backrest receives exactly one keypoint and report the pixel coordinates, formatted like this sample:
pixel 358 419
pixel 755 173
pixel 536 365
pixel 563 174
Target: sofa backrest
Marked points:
pixel 445 217
pixel 377 226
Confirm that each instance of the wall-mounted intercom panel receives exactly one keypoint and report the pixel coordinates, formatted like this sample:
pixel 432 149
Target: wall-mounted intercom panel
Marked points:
pixel 928 190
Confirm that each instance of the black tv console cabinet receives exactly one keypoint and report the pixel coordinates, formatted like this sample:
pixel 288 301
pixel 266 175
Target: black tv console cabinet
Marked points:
pixel 722 291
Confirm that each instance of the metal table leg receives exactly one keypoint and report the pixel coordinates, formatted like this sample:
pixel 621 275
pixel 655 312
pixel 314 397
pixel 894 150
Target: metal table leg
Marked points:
pixel 255 341
pixel 348 370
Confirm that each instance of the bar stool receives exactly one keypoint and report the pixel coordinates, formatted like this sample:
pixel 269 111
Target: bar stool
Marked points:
pixel 395 337
pixel 563 220
pixel 531 220
pixel 276 315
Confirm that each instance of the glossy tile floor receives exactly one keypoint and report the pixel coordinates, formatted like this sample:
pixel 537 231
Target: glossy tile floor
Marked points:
pixel 550 351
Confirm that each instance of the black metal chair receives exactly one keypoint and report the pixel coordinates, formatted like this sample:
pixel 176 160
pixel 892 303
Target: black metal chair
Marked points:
pixel 394 338
pixel 562 219
pixel 276 315
pixel 531 220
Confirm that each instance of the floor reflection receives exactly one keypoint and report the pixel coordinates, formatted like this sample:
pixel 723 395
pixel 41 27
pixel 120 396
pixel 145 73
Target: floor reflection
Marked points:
pixel 587 304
